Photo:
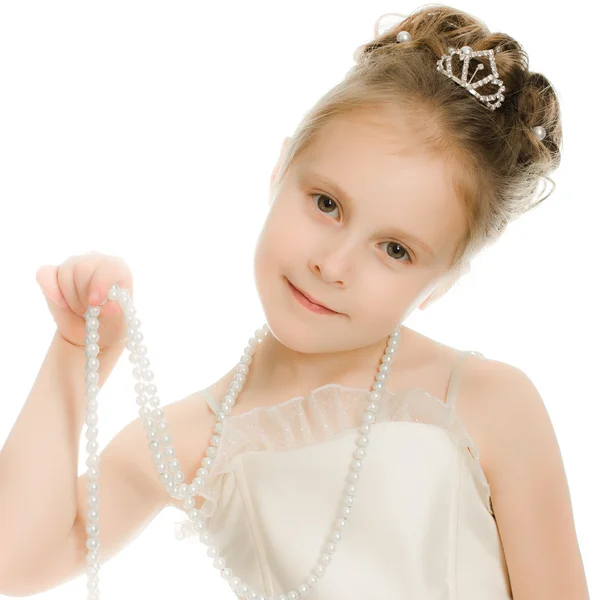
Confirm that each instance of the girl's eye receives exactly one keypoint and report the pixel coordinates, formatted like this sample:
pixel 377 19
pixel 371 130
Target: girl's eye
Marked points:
pixel 328 201
pixel 330 205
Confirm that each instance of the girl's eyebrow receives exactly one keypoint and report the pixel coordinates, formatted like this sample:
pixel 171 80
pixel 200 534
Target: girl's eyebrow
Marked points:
pixel 394 231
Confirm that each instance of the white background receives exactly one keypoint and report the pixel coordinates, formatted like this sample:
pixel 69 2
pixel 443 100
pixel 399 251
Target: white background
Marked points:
pixel 149 131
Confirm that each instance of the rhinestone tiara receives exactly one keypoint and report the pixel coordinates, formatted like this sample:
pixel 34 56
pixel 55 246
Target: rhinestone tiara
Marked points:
pixel 466 53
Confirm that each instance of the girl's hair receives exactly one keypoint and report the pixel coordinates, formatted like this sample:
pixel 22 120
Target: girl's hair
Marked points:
pixel 498 161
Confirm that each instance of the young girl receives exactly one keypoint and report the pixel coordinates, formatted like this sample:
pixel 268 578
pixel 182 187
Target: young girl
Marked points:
pixel 390 185
pixel 348 456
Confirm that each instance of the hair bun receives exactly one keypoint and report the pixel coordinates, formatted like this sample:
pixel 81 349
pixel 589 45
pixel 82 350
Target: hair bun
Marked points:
pixel 498 161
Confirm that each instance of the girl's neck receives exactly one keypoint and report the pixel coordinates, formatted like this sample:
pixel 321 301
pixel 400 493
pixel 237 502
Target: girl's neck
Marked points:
pixel 276 366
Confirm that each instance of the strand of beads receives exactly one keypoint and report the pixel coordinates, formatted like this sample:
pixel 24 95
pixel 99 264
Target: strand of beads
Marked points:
pixel 168 466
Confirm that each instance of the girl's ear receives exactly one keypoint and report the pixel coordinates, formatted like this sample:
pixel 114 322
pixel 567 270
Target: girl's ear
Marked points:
pixel 436 294
pixel 445 284
pixel 275 172
pixel 284 146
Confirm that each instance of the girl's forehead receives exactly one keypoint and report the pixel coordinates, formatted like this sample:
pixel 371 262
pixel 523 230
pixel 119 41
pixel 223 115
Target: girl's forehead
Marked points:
pixel 364 134
pixel 369 162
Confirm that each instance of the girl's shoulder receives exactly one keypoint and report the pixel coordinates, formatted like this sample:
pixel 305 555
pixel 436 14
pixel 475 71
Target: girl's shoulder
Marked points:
pixel 430 365
pixel 461 376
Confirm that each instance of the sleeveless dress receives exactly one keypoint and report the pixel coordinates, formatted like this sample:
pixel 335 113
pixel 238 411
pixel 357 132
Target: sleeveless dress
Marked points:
pixel 422 525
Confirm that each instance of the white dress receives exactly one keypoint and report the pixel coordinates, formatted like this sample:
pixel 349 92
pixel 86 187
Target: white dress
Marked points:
pixel 422 524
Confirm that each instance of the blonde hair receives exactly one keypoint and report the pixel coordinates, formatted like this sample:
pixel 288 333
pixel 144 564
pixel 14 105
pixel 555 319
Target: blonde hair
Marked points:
pixel 499 162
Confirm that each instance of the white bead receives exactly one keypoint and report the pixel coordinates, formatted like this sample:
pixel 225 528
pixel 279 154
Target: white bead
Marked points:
pixel 403 36
pixel 199 527
pixel 360 453
pixel 319 571
pixel 194 514
pixel 204 538
pixel 353 477
pixel 303 589
pixel 539 132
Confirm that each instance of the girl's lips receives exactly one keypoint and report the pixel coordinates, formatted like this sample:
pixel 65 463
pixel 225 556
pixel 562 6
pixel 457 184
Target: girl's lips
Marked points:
pixel 307 303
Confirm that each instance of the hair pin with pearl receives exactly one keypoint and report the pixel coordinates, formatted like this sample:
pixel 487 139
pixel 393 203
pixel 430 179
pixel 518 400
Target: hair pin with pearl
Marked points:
pixel 466 53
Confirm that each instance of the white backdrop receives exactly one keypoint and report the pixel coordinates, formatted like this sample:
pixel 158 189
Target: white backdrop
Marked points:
pixel 149 131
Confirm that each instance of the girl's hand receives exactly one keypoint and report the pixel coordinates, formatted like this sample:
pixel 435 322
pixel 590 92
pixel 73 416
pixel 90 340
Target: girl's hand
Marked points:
pixel 81 281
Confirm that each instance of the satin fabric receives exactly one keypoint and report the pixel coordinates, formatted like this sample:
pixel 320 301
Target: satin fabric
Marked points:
pixel 422 524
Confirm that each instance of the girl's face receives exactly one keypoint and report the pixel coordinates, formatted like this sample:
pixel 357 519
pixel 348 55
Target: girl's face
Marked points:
pixel 364 223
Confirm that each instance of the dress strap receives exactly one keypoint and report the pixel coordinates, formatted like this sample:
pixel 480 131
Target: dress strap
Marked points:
pixel 210 399
pixel 454 376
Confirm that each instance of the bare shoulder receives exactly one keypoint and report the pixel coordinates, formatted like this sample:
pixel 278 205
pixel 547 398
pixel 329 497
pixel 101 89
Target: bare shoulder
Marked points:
pixel 521 458
pixel 489 392
pixel 507 411
pixel 496 401
pixel 491 396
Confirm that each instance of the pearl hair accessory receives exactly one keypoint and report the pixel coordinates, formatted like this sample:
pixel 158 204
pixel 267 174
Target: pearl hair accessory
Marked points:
pixel 466 53
pixel 168 467
pixel 539 132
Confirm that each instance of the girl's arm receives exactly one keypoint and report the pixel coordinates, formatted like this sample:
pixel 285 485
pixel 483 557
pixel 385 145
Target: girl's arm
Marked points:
pixel 131 496
pixel 530 493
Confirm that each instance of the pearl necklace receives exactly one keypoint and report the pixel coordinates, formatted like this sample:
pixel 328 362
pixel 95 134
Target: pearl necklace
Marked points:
pixel 174 481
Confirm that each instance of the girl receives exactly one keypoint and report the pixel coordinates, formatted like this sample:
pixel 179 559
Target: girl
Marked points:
pixel 348 456
pixel 389 186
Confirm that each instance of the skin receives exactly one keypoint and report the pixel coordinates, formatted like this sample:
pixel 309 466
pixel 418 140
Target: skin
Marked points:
pixel 343 254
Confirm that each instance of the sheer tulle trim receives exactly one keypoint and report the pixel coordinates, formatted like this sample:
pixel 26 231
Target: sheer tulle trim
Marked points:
pixel 326 413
